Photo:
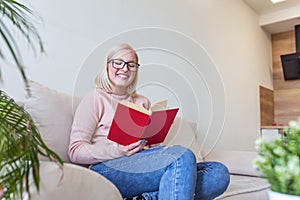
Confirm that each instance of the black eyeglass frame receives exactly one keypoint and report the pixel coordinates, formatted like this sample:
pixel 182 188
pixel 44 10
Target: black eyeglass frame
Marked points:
pixel 130 68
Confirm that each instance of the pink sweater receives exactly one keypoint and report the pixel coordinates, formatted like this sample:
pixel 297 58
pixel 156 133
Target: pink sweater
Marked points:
pixel 92 120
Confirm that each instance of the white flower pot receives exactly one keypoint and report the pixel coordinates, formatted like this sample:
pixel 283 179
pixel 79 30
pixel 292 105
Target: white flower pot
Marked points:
pixel 280 196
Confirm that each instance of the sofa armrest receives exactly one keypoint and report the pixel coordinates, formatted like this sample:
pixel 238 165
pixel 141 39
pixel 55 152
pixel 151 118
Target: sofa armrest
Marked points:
pixel 73 182
pixel 237 162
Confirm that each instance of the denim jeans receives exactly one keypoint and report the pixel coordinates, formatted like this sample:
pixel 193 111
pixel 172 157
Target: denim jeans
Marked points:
pixel 165 173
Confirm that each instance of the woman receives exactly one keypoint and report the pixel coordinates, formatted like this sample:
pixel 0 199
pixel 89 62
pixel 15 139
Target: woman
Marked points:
pixel 137 170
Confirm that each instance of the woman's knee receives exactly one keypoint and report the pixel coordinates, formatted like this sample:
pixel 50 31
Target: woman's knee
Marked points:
pixel 222 174
pixel 218 170
pixel 182 153
pixel 189 155
pixel 222 171
pixel 211 174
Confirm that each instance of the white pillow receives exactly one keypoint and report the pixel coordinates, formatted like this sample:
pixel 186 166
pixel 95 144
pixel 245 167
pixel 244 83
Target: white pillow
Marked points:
pixel 184 133
pixel 52 112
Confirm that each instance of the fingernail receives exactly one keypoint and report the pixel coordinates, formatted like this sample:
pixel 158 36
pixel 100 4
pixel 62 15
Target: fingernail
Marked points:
pixel 143 141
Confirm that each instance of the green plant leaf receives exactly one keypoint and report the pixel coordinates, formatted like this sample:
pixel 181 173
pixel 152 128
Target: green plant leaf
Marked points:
pixel 19 17
pixel 20 145
pixel 279 161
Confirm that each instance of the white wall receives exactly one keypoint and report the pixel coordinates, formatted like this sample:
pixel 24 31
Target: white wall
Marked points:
pixel 207 56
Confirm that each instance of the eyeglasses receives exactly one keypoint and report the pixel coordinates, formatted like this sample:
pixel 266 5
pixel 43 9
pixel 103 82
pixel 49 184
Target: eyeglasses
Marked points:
pixel 120 64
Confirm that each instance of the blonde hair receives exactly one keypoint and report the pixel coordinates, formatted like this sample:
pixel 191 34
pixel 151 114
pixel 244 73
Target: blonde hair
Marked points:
pixel 102 80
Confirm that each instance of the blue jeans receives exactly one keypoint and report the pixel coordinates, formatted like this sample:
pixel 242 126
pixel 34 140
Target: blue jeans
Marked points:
pixel 165 173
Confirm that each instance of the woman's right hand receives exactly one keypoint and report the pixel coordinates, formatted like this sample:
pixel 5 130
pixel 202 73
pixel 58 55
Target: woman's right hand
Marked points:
pixel 132 148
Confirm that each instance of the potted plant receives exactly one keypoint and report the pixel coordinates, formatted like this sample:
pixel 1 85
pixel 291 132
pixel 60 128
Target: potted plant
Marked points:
pixel 279 162
pixel 20 142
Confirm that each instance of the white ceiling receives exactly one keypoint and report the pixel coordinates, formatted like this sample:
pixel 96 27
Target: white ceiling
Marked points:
pixel 276 18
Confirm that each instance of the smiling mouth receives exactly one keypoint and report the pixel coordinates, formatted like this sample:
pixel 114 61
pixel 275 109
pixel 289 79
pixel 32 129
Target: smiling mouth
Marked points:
pixel 122 75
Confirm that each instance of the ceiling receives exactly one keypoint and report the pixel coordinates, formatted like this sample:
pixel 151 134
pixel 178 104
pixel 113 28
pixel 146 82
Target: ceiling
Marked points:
pixel 276 18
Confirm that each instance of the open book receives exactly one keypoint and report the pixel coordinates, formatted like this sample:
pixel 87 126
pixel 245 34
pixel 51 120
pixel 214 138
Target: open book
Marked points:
pixel 132 123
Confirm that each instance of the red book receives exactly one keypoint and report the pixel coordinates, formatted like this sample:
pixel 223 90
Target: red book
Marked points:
pixel 132 123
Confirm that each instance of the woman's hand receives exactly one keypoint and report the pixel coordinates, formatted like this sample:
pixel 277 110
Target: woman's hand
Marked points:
pixel 151 145
pixel 132 148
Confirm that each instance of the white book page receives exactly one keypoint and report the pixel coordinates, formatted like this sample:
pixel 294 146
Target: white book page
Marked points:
pixel 159 105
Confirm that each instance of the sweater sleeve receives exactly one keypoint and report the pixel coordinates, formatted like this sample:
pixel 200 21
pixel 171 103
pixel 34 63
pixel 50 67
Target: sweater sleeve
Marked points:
pixel 83 149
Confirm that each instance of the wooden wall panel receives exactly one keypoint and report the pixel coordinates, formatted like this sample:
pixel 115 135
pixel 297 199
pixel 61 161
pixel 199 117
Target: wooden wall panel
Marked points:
pixel 287 105
pixel 266 106
pixel 286 93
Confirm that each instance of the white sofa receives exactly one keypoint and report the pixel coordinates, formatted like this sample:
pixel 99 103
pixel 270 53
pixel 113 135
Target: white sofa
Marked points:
pixel 53 112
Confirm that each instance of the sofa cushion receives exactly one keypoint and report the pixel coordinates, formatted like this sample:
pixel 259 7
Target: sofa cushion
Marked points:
pixel 52 112
pixel 238 162
pixel 184 133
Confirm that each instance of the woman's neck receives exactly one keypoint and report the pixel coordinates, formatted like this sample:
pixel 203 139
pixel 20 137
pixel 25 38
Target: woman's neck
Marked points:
pixel 120 91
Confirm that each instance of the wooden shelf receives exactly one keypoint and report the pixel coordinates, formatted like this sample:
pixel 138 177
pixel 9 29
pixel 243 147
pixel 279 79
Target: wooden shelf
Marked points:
pixel 273 127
